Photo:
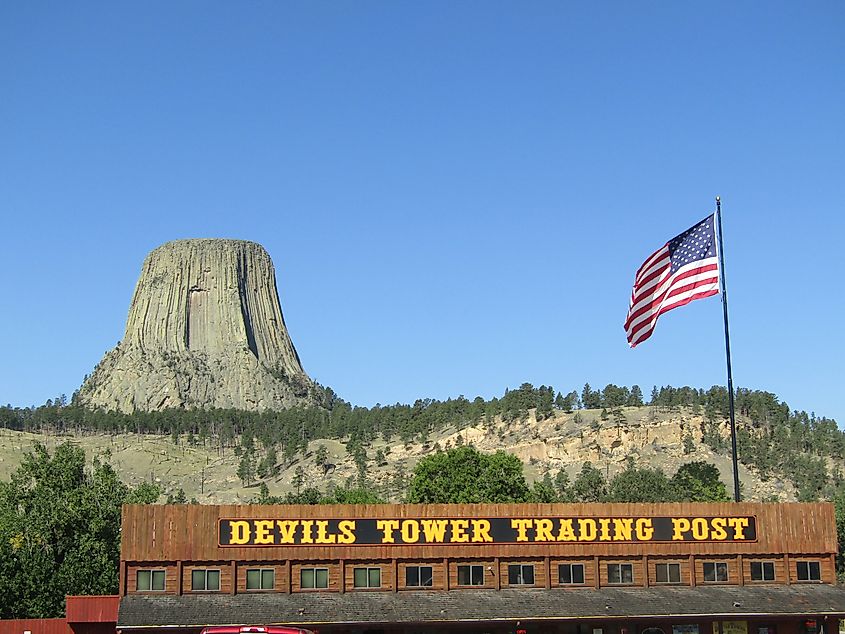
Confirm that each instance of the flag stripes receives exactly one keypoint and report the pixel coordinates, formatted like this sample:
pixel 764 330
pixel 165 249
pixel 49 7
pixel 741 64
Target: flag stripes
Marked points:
pixel 681 271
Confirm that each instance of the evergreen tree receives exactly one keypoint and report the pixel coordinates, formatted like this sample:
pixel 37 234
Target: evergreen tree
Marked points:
pixel 590 485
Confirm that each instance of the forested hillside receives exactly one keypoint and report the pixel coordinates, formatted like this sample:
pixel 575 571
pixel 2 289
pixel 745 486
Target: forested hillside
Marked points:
pixel 772 439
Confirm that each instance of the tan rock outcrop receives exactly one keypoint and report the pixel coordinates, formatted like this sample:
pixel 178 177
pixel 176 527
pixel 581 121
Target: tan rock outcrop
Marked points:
pixel 205 329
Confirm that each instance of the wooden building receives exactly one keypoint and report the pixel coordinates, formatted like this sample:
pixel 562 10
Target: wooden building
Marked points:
pixel 518 568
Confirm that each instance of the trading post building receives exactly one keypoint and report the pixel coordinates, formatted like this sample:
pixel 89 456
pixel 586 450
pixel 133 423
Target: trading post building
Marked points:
pixel 497 568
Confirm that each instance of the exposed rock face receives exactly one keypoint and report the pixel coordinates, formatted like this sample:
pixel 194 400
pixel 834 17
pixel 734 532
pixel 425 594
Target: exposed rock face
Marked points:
pixel 205 329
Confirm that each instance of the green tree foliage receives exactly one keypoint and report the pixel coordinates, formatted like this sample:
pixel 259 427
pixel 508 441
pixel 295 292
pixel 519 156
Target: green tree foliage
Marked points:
pixel 698 482
pixel 563 487
pixel 591 399
pixel 590 485
pixel 465 475
pixel 635 399
pixel 639 485
pixel 311 495
pixel 60 531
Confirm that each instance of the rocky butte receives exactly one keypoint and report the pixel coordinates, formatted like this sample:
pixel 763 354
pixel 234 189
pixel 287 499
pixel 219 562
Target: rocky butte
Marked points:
pixel 205 329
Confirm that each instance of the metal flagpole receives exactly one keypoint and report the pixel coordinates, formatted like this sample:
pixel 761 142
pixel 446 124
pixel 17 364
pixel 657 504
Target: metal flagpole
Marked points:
pixel 727 348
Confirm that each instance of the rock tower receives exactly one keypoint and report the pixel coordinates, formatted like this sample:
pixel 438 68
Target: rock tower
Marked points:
pixel 205 329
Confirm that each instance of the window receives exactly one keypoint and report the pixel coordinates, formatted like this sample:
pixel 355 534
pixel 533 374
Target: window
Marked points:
pixel 762 571
pixel 205 580
pixel 150 581
pixel 715 571
pixel 809 571
pixel 570 574
pixel 419 576
pixel 470 575
pixel 668 573
pixel 260 579
pixel 521 574
pixel 620 573
pixel 310 578
pixel 367 578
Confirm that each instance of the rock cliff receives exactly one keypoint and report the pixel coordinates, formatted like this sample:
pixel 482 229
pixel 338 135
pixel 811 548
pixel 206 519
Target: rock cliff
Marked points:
pixel 205 329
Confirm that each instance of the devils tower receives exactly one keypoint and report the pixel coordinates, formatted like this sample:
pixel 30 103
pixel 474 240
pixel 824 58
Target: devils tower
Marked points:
pixel 205 329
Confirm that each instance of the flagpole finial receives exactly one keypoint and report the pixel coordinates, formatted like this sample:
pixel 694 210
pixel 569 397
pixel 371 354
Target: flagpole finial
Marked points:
pixel 718 199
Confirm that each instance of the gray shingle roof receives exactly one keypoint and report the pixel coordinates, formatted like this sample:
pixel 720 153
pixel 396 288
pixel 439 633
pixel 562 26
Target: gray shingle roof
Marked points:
pixel 147 610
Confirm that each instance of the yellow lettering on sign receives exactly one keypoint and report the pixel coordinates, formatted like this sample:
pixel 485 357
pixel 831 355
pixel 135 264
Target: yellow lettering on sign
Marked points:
pixel 240 532
pixel 587 531
pixel 387 527
pixel 323 536
pixel 543 531
pixel 521 527
pixel 566 532
pixel 307 528
pixel 604 534
pixel 719 531
pixel 434 530
pixel 680 525
pixel 481 531
pixel 410 531
pixel 347 532
pixel 287 529
pixel 623 529
pixel 700 529
pixel 644 529
pixel 739 524
pixel 459 531
pixel 263 534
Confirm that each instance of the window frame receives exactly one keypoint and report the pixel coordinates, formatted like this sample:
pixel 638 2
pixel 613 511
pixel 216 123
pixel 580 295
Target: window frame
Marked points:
pixel 620 567
pixel 470 569
pixel 716 565
pixel 809 565
pixel 313 570
pixel 152 572
pixel 261 572
pixel 418 568
pixel 763 565
pixel 205 572
pixel 520 576
pixel 669 567
pixel 367 570
pixel 571 566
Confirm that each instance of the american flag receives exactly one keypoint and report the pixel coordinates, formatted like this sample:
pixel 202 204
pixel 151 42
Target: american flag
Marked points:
pixel 683 269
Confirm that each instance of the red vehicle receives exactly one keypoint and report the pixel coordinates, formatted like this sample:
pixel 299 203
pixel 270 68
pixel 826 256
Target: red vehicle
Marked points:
pixel 254 629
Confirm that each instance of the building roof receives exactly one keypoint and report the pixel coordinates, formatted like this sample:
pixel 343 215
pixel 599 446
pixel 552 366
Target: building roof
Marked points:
pixel 313 608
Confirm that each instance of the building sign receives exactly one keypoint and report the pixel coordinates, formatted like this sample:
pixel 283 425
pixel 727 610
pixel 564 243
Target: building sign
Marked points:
pixel 497 530
pixel 730 627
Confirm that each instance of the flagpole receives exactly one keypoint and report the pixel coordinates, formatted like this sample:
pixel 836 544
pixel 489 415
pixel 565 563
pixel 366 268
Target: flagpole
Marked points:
pixel 727 349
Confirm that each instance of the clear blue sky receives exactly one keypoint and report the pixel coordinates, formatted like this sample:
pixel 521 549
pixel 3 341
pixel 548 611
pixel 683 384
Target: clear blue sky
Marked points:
pixel 455 195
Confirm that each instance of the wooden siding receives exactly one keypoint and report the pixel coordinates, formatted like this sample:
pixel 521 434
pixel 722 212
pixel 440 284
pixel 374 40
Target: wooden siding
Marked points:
pixel 438 581
pixel 226 580
pixel 652 570
pixel 827 568
pixel 280 576
pixel 733 571
pixel 779 565
pixel 334 576
pixel 387 580
pixel 539 572
pixel 171 577
pixel 636 567
pixel 188 532
pixel 489 566
pixel 589 573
